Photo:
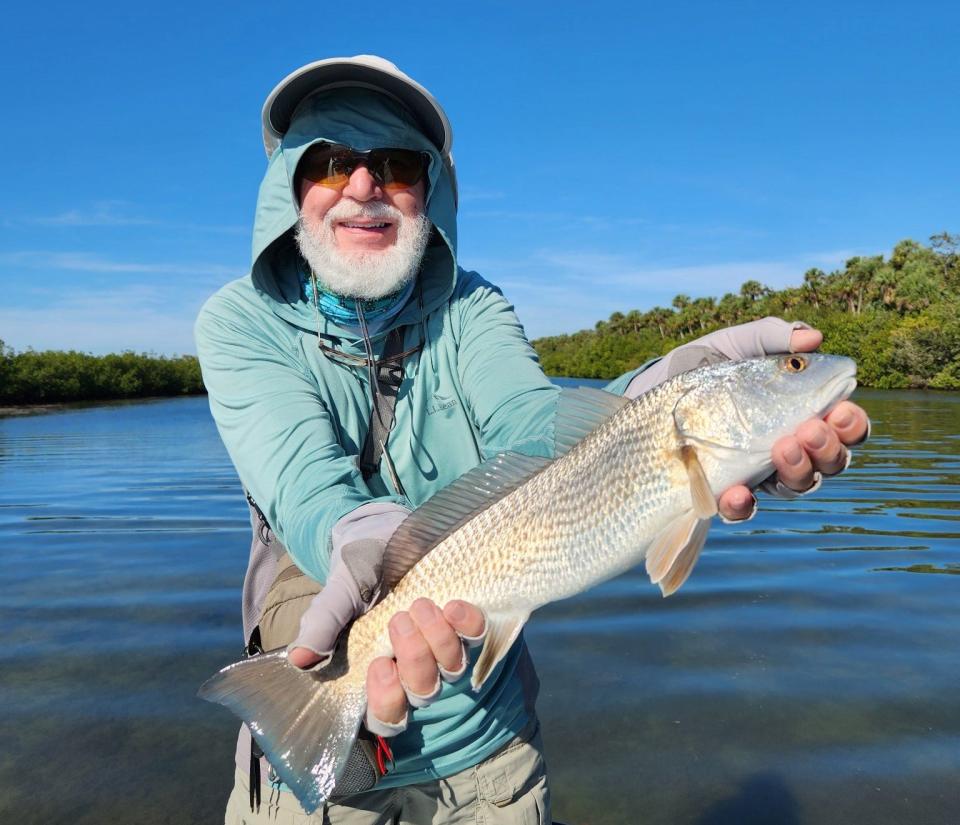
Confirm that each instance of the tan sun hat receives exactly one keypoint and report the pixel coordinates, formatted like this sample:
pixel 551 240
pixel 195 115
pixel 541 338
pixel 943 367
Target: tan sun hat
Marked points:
pixel 364 70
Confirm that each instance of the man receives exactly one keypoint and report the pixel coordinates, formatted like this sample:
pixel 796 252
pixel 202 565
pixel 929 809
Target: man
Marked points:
pixel 357 371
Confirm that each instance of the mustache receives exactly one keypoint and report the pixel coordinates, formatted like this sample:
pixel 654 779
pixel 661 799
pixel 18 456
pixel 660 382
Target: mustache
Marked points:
pixel 346 211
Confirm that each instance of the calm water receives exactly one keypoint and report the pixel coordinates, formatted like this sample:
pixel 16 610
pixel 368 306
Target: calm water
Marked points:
pixel 808 672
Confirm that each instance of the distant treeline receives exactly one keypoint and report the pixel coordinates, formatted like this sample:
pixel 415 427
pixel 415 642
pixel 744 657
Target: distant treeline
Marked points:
pixel 899 317
pixel 49 377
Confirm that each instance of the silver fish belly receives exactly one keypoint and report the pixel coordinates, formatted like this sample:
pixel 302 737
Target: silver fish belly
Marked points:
pixel 634 480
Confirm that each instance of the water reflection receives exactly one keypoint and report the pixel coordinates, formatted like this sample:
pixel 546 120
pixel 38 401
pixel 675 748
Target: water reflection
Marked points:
pixel 950 569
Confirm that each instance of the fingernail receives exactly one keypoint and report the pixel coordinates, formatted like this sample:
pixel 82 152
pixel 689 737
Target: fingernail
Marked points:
pixel 424 612
pixel 384 672
pixel 818 439
pixel 843 419
pixel 403 624
pixel 457 611
pixel 793 454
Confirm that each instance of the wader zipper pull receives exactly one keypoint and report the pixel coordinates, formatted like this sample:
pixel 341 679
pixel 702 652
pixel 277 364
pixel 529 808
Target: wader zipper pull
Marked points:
pixel 255 754
pixel 254 647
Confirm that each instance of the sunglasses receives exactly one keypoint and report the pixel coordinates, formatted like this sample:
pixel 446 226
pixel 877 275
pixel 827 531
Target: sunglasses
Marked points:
pixel 331 164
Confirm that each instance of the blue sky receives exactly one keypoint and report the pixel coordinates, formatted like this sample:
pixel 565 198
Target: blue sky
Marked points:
pixel 610 156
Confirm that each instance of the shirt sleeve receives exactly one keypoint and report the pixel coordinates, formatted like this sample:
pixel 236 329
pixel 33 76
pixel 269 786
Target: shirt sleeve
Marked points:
pixel 631 384
pixel 512 402
pixel 278 433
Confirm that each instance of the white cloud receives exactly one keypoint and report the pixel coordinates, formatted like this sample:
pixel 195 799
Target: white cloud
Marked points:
pixel 564 291
pixel 129 318
pixel 472 194
pixel 101 213
pixel 116 213
pixel 90 262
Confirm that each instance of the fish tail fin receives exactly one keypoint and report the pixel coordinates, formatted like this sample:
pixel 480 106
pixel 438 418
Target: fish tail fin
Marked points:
pixel 305 721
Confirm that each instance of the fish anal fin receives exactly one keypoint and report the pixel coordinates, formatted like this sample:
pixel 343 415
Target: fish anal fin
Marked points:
pixel 502 632
pixel 704 503
pixel 677 546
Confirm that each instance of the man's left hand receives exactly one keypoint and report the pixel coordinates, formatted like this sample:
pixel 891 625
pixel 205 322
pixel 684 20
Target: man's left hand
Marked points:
pixel 817 446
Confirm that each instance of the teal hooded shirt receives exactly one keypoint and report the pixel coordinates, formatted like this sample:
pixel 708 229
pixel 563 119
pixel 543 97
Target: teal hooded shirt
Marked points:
pixel 294 419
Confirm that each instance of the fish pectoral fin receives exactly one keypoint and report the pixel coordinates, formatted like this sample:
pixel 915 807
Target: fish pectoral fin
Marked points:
pixel 502 632
pixel 704 504
pixel 683 566
pixel 675 551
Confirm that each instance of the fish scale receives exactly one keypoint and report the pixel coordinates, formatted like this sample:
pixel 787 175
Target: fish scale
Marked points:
pixel 642 480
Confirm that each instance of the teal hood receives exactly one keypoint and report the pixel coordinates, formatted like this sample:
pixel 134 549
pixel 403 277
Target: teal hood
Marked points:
pixel 362 119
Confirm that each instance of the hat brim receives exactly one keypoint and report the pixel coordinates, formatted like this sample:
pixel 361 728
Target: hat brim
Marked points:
pixel 338 72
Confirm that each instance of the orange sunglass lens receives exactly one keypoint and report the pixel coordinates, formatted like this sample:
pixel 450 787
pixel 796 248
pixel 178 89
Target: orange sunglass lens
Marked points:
pixel 393 169
pixel 334 180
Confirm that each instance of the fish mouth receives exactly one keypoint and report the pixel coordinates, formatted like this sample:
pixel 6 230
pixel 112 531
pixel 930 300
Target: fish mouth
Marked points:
pixel 839 388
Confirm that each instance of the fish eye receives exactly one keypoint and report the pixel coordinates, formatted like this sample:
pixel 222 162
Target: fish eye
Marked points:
pixel 794 363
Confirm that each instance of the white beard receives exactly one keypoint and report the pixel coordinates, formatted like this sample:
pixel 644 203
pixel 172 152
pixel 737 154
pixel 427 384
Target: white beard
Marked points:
pixel 366 275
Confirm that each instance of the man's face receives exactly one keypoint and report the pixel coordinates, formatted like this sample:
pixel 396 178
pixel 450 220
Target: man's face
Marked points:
pixel 362 241
pixel 359 234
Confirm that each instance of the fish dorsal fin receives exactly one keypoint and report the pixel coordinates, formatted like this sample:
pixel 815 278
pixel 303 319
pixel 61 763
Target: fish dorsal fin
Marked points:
pixel 453 506
pixel 580 411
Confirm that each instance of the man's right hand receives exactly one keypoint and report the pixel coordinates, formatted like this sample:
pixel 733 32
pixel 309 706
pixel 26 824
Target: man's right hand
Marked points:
pixel 428 643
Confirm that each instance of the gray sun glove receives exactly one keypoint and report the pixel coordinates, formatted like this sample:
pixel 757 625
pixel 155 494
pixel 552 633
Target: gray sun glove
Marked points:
pixel 353 584
pixel 768 336
pixel 351 589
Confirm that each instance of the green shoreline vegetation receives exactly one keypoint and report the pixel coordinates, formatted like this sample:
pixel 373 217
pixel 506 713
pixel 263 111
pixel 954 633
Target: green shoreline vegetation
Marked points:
pixel 899 318
pixel 53 377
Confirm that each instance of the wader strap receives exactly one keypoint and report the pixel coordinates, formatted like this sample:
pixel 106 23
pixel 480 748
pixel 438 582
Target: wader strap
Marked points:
pixel 389 375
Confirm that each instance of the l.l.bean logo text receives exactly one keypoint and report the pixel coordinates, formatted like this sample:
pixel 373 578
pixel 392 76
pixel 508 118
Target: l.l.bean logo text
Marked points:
pixel 439 404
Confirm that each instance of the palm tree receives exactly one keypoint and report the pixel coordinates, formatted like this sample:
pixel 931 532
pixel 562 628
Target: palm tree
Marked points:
pixel 659 316
pixel 752 290
pixel 813 283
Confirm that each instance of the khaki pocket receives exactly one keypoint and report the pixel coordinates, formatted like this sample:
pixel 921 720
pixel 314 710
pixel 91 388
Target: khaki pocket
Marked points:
pixel 513 784
pixel 289 596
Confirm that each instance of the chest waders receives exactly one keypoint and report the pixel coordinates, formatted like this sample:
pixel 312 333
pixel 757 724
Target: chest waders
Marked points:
pixel 292 590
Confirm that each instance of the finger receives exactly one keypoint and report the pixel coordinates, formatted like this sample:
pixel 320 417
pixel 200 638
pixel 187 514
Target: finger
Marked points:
pixel 794 467
pixel 823 446
pixel 442 638
pixel 737 504
pixel 331 610
pixel 386 699
pixel 467 619
pixel 303 658
pixel 805 340
pixel 415 661
pixel 849 422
